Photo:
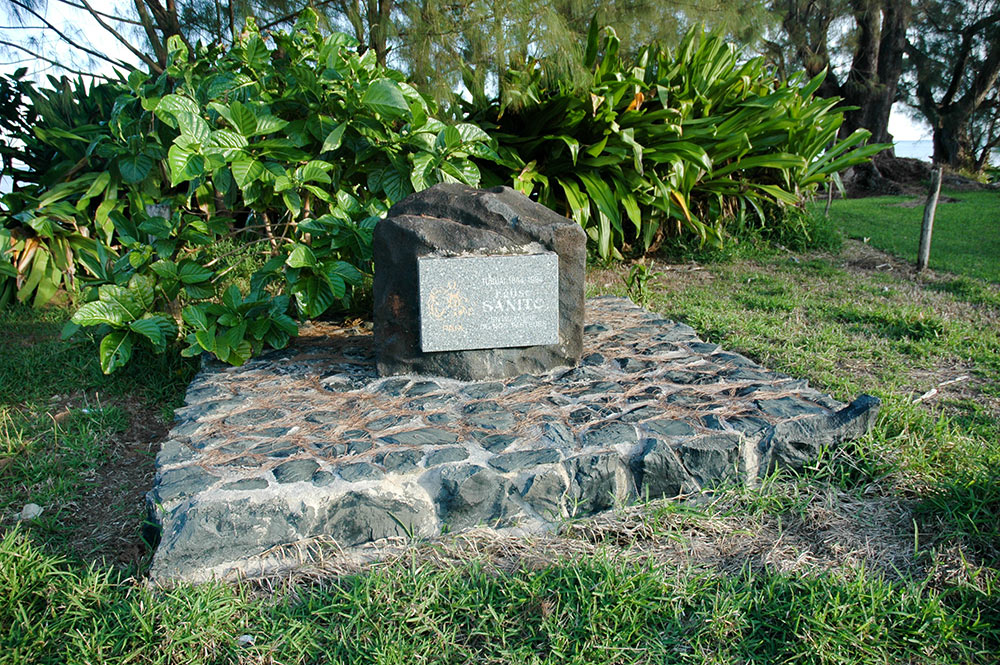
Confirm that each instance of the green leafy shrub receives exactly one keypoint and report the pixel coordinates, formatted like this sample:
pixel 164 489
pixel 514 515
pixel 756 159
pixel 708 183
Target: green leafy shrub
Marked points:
pixel 670 142
pixel 47 220
pixel 295 145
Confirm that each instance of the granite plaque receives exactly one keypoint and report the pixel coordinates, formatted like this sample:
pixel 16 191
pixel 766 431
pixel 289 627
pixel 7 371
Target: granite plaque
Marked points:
pixel 485 302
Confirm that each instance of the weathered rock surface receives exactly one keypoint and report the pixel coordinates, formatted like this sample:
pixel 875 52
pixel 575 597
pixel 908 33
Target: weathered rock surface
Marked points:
pixel 269 455
pixel 450 220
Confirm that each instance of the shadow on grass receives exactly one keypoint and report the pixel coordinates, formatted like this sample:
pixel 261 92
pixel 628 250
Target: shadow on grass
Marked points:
pixel 894 323
pixel 966 509
pixel 969 290
pixel 38 363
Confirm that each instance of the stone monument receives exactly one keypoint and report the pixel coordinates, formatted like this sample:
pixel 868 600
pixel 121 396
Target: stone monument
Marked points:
pixel 477 284
pixel 470 405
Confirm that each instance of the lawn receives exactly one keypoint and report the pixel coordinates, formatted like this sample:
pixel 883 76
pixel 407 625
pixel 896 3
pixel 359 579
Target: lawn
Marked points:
pixel 966 237
pixel 886 550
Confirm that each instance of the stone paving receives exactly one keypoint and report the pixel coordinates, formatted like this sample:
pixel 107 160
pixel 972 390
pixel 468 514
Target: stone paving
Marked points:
pixel 309 442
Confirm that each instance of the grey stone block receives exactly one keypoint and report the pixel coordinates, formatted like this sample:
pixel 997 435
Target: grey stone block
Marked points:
pixel 246 484
pixel 660 473
pixel 422 388
pixel 610 435
pixel 472 494
pixel 597 482
pixel 358 447
pixel 546 493
pixel 789 407
pixel 322 478
pixel 793 443
pixel 363 516
pixel 276 449
pixel 324 417
pixel 482 390
pixel 254 417
pixel 401 461
pixel 446 455
pixel 496 443
pixel 385 422
pixel 360 471
pixel 295 471
pixel 557 435
pixel 523 459
pixel 186 481
pixel 492 420
pixel 712 458
pixel 173 451
pixel 665 428
pixel 454 219
pixel 425 436
pixel 642 413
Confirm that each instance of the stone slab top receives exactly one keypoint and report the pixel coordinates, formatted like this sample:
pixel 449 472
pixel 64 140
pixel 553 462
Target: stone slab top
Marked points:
pixel 310 443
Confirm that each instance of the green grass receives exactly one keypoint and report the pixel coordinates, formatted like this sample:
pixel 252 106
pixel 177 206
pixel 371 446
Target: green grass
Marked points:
pixel 60 416
pixel 884 550
pixel 850 333
pixel 966 237
pixel 596 610
pixel 37 363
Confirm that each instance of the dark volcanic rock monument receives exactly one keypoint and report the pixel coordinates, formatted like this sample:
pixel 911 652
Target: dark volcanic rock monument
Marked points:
pixel 489 394
pixel 534 252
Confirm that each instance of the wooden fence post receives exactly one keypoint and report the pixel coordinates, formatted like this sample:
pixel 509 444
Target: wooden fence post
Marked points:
pixel 928 226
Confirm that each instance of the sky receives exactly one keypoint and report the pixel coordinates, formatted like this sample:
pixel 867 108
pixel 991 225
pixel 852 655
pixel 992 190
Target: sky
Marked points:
pixel 78 22
pixel 75 23
pixel 904 128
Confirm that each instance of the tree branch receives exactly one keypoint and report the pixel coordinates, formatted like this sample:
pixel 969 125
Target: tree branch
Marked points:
pixel 968 34
pixel 4 42
pixel 924 92
pixel 66 38
pixel 154 40
pixel 120 19
pixel 136 52
pixel 286 17
pixel 985 79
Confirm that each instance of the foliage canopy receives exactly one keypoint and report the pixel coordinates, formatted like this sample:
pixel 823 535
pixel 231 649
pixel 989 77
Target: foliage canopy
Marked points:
pixel 683 140
pixel 282 152
pixel 296 147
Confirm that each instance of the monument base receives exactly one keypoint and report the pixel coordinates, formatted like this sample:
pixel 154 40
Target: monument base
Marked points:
pixel 308 445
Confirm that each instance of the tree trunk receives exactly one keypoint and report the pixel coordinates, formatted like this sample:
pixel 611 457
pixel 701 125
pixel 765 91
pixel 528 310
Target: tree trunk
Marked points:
pixel 878 63
pixel 967 89
pixel 951 145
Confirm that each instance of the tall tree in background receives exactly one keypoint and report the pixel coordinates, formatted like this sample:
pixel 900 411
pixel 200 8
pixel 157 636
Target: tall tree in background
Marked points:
pixel 437 42
pixel 141 27
pixel 443 45
pixel 954 58
pixel 813 35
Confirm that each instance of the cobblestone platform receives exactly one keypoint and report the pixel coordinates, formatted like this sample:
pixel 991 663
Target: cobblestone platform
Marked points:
pixel 310 443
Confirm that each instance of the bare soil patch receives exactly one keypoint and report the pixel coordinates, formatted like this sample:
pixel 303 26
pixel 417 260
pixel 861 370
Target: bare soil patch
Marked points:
pixel 107 516
pixel 112 510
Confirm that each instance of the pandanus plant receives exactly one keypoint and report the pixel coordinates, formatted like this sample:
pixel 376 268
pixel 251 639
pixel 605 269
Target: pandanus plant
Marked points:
pixel 683 140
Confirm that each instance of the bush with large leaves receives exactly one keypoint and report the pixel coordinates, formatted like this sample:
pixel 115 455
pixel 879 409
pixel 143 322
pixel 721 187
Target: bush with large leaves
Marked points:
pixel 46 135
pixel 291 143
pixel 673 141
